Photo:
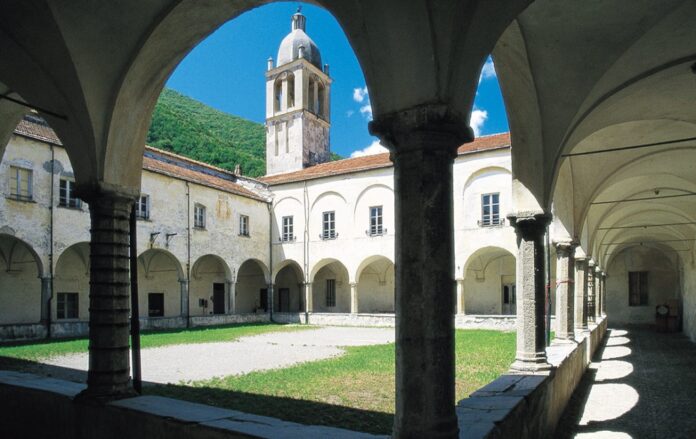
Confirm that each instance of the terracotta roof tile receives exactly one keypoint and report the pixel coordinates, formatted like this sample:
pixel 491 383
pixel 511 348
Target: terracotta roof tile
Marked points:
pixel 348 166
pixel 36 128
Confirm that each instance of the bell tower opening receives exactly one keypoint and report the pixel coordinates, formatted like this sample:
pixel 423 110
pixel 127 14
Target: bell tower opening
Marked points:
pixel 297 104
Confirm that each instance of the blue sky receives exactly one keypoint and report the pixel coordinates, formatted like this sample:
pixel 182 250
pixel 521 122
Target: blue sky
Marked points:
pixel 226 71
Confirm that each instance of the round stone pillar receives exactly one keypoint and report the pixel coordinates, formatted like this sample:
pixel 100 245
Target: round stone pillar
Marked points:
pixel 353 298
pixel 565 290
pixel 423 143
pixel 591 290
pixel 531 325
pixel 580 296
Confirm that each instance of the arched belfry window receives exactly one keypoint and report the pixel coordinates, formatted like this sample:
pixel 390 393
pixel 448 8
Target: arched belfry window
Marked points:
pixel 278 95
pixel 291 90
pixel 311 96
pixel 321 105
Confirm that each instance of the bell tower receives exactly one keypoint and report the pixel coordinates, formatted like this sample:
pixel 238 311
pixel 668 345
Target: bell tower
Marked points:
pixel 297 104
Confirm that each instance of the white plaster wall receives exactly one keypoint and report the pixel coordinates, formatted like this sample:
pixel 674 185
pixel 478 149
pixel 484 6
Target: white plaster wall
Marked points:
pixel 206 271
pixel 483 283
pixel 161 276
pixel 72 276
pixel 287 278
pixel 376 288
pixel 250 280
pixel 20 286
pixel 337 271
pixel 663 283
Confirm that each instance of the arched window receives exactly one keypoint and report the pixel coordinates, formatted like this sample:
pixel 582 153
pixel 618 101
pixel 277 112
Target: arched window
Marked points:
pixel 291 90
pixel 278 95
pixel 321 94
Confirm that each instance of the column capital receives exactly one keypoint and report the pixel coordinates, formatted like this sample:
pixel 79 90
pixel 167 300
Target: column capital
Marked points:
pixel 565 247
pixel 529 225
pixel 591 264
pixel 353 284
pixel 95 191
pixel 581 260
pixel 431 126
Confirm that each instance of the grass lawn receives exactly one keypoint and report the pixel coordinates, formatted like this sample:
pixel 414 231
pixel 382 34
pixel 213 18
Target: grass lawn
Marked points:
pixel 34 351
pixel 354 391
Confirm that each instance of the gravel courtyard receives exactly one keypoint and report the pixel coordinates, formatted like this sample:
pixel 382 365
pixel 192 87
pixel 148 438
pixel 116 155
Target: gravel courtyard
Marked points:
pixel 190 362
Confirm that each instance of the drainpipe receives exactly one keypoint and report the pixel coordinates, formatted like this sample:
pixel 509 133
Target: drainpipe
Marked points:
pixel 188 255
pixel 135 308
pixel 547 275
pixel 269 295
pixel 50 248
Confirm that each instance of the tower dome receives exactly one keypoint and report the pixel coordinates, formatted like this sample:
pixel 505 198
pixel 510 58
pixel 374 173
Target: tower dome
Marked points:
pixel 298 41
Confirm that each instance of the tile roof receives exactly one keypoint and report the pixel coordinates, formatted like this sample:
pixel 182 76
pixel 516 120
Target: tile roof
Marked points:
pixel 156 160
pixel 377 161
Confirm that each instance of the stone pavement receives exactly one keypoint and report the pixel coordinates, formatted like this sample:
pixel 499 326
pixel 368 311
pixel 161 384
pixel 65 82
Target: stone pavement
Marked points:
pixel 642 384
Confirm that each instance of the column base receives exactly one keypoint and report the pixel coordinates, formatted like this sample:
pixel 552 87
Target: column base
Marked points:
pixel 533 363
pixel 89 397
pixel 565 340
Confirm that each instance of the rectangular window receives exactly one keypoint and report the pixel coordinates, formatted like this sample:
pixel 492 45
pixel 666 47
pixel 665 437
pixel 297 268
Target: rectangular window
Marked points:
pixel 243 225
pixel 490 210
pixel 66 194
pixel 376 227
pixel 328 225
pixel 20 183
pixel 68 306
pixel 199 216
pixel 288 229
pixel 155 305
pixel 637 288
pixel 142 207
pixel 330 292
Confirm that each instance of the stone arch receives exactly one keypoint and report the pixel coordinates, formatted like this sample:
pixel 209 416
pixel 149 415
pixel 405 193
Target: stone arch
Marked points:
pixel 159 283
pixel 326 274
pixel 20 282
pixel 289 278
pixel 72 277
pixel 375 285
pixel 210 279
pixel 251 285
pixel 489 282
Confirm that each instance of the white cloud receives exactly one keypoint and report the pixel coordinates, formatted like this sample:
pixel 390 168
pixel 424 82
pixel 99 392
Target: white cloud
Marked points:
pixel 360 94
pixel 373 148
pixel 478 118
pixel 488 70
pixel 349 113
pixel 366 110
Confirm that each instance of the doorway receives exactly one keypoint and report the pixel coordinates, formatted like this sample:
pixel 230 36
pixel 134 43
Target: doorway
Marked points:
pixel 218 298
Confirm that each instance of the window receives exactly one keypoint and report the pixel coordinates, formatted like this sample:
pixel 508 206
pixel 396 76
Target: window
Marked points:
pixel 142 207
pixel 376 221
pixel 155 305
pixel 67 196
pixel 328 226
pixel 243 225
pixel 330 292
pixel 199 216
pixel 67 306
pixel 637 288
pixel 20 183
pixel 490 210
pixel 288 232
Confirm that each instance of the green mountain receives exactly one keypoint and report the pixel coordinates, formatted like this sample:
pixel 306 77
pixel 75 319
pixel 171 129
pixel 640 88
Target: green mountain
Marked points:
pixel 190 128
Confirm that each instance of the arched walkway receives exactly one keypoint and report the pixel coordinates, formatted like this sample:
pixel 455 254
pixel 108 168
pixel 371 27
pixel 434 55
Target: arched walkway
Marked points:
pixel 489 282
pixel 20 282
pixel 288 287
pixel 159 287
pixel 330 287
pixel 375 285
pixel 251 286
pixel 71 283
pixel 210 277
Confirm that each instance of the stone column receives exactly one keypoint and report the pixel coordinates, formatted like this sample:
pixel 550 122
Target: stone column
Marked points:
pixel 531 325
pixel 353 298
pixel 598 294
pixel 423 143
pixel 46 295
pixel 580 296
pixel 604 294
pixel 460 296
pixel 270 299
pixel 184 289
pixel 108 376
pixel 565 290
pixel 591 301
pixel 232 294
